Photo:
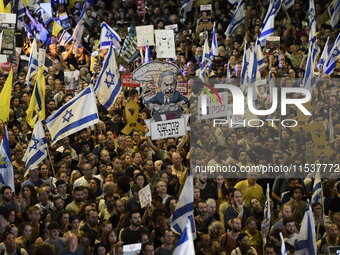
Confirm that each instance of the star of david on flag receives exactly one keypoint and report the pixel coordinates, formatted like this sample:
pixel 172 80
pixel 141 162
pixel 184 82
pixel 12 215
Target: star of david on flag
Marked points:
pixel 37 147
pixel 78 113
pixel 108 84
pixel 6 167
pixel 108 36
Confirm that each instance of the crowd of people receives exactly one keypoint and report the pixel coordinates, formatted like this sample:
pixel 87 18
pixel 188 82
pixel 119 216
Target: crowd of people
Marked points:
pixel 84 197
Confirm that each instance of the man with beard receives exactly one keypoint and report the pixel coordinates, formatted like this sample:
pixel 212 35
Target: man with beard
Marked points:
pixel 8 199
pixel 77 202
pixel 91 229
pixel 167 246
pixel 229 239
pixel 202 220
pixel 331 239
pixel 290 235
pixel 208 190
pixel 11 246
pixel 132 233
pixel 136 164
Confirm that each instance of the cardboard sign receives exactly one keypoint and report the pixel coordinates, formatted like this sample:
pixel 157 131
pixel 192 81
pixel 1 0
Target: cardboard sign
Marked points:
pixel 167 128
pixel 183 87
pixel 132 249
pixel 173 27
pixel 205 12
pixel 272 45
pixel 165 44
pixel 41 57
pixel 64 21
pixel 127 81
pixel 145 197
pixel 145 33
pixel 215 110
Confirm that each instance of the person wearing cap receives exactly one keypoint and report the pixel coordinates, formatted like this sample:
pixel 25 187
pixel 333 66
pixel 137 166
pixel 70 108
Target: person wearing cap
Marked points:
pixel 54 240
pixel 45 205
pixel 34 180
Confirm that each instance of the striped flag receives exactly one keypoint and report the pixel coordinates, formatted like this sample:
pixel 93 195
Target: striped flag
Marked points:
pixel 317 189
pixel 37 103
pixel 185 209
pixel 108 36
pixel 312 22
pixel 289 3
pixel 333 57
pixel 267 210
pixel 324 55
pixel 79 29
pixel 64 38
pixel 309 77
pixel 6 167
pixel 283 246
pixel 147 53
pixel 185 244
pixel 214 45
pixel 78 113
pixel 255 63
pixel 233 2
pixel 37 147
pixel 108 85
pixel 245 62
pixel 268 23
pixel 186 7
pixel 237 19
pixel 205 59
pixel 306 243
pixel 129 50
pixel 334 10
pixel 5 97
pixel 33 64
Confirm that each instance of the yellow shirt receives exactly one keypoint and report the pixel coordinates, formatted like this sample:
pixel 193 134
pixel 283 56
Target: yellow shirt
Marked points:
pixel 249 192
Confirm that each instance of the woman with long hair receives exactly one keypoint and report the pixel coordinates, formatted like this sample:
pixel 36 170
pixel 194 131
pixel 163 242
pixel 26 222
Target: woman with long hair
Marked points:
pixel 28 198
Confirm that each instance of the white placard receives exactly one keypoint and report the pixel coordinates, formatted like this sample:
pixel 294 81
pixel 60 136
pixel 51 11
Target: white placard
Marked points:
pixel 145 33
pixel 47 8
pixel 165 44
pixel 172 26
pixel 145 197
pixel 206 7
pixel 132 249
pixel 41 57
pixel 3 58
pixel 214 110
pixel 167 128
pixel 7 18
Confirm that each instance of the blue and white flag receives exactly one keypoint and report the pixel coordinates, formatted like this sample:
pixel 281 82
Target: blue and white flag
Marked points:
pixel 185 209
pixel 147 53
pixel 6 167
pixel 334 10
pixel 266 224
pixel 309 79
pixel 186 7
pixel 255 63
pixel 37 147
pixel 268 23
pixel 108 36
pixel 333 57
pixel 21 12
pixel 312 22
pixel 289 3
pixel 205 59
pixel 283 250
pixel 108 85
pixel 214 45
pixel 233 2
pixel 237 18
pixel 33 63
pixel 306 243
pixel 64 38
pixel 185 244
pixel 245 62
pixel 78 113
pixel 79 29
pixel 324 55
pixel 317 189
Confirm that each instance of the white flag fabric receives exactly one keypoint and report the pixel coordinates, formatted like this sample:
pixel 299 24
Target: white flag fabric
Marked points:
pixel 332 57
pixel 255 63
pixel 237 18
pixel 214 46
pixel 79 113
pixel 334 10
pixel 233 2
pixel 108 84
pixel 324 55
pixel 245 62
pixel 185 244
pixel 317 189
pixel 64 38
pixel 309 79
pixel 186 7
pixel 33 63
pixel 108 36
pixel 306 243
pixel 185 208
pixel 205 59
pixel 268 23
pixel 79 29
pixel 2 32
pixel 6 167
pixel 289 3
pixel 312 22
pixel 147 53
pixel 37 147
pixel 283 245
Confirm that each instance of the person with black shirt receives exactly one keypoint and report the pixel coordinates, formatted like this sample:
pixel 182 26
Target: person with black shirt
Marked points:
pixel 132 233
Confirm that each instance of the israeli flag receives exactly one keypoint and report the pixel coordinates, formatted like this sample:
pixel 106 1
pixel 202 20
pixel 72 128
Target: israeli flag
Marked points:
pixel 255 63
pixel 77 114
pixel 334 10
pixel 147 53
pixel 309 79
pixel 312 22
pixel 268 23
pixel 289 3
pixel 6 167
pixel 79 29
pixel 108 36
pixel 33 63
pixel 37 147
pixel 333 57
pixel 245 62
pixel 237 18
pixel 185 209
pixel 324 55
pixel 283 246
pixel 205 59
pixel 233 2
pixel 108 85
pixel 317 189
pixel 306 243
pixel 185 244
pixel 186 7
pixel 214 46
pixel 64 38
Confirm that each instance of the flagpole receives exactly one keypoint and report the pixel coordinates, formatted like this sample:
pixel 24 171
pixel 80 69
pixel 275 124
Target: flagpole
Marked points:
pixel 49 159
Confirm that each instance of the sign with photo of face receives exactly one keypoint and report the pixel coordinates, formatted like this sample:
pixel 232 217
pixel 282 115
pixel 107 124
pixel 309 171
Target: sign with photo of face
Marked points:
pixel 165 44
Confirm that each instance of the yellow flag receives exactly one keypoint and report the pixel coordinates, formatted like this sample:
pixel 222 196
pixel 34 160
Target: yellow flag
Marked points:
pixel 37 102
pixel 56 28
pixel 5 97
pixel 3 8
